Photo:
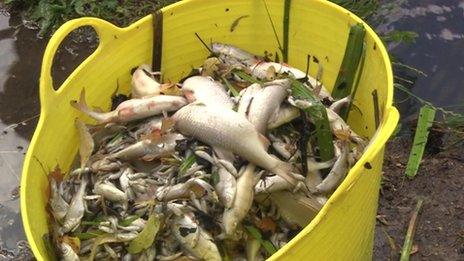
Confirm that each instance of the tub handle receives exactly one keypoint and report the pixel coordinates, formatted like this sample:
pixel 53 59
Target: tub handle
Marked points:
pixel 103 30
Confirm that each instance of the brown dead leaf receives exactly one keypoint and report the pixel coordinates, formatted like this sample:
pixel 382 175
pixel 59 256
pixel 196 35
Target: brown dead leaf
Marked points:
pixel 74 242
pixel 266 224
pixel 342 134
pixel 154 135
pixel 414 249
pixel 270 73
pixel 56 174
pixel 170 89
pixel 167 124
pixel 210 66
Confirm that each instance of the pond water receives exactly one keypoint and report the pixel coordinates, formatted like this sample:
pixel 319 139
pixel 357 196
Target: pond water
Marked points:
pixel 438 52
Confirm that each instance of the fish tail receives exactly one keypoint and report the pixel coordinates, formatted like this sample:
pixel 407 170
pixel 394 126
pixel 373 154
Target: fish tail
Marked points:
pixel 284 170
pixel 82 106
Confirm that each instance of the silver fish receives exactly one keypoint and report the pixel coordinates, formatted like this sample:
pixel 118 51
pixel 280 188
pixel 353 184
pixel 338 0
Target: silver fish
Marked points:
pixel 76 209
pixel 267 102
pixel 143 84
pixel 246 96
pixel 285 114
pixel 57 203
pixel 149 149
pixel 110 192
pixel 134 109
pixel 227 129
pixel 207 91
pixel 338 171
pixel 231 54
pixel 67 253
pixel 194 239
pixel 242 202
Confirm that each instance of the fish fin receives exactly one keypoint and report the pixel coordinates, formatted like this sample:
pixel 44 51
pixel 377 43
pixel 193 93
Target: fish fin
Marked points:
pixel 284 170
pixel 81 105
pixel 264 140
pixel 98 109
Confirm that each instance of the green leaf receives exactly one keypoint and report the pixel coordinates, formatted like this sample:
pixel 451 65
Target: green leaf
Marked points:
pixel 425 121
pixel 215 177
pixel 126 222
pixel 318 115
pixel 254 232
pixel 89 234
pixel 145 238
pixel 187 163
pixel 353 53
pixel 245 76
pixel 269 247
pixel 230 87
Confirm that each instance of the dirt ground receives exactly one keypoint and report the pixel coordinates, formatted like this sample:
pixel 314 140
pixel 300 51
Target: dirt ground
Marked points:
pixel 440 182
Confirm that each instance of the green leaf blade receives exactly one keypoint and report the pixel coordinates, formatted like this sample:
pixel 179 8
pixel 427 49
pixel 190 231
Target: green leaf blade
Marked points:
pixel 145 238
pixel 425 121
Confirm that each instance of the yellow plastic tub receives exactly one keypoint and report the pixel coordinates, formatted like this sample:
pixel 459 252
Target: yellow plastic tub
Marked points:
pixel 344 228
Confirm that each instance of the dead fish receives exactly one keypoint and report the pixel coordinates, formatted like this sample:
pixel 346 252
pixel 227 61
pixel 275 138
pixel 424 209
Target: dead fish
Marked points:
pixel 296 208
pixel 67 253
pixel 110 192
pixel 149 149
pixel 284 115
pixel 246 96
pixel 221 127
pixel 143 83
pixel 134 109
pixel 149 126
pixel 194 239
pixel 226 187
pixel 267 102
pixel 182 190
pixel 231 54
pixel 275 183
pixel 338 105
pixel 58 205
pixel 86 144
pixel 76 209
pixel 207 91
pixel 242 203
pixel 338 171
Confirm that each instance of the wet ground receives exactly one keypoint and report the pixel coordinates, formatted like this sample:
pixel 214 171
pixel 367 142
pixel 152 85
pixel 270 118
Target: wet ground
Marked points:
pixel 437 52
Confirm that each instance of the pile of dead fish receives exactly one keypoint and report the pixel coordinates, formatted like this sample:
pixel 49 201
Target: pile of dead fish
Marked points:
pixel 210 168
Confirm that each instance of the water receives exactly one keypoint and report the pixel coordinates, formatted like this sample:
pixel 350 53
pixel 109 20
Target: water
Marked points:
pixel 437 52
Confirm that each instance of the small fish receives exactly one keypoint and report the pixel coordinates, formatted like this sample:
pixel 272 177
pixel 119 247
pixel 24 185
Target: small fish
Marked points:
pixel 143 83
pixel 274 183
pixel 57 203
pixel 67 253
pixel 76 209
pixel 150 149
pixel 194 239
pixel 267 102
pixel 337 105
pixel 338 171
pixel 182 190
pixel 231 54
pixel 227 129
pixel 242 203
pixel 109 192
pixel 226 187
pixel 134 109
pixel 337 124
pixel 284 115
pixel 296 208
pixel 86 143
pixel 246 96
pixel 207 91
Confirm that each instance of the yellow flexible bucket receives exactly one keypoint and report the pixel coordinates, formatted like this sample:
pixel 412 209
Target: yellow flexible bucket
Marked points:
pixel 344 228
